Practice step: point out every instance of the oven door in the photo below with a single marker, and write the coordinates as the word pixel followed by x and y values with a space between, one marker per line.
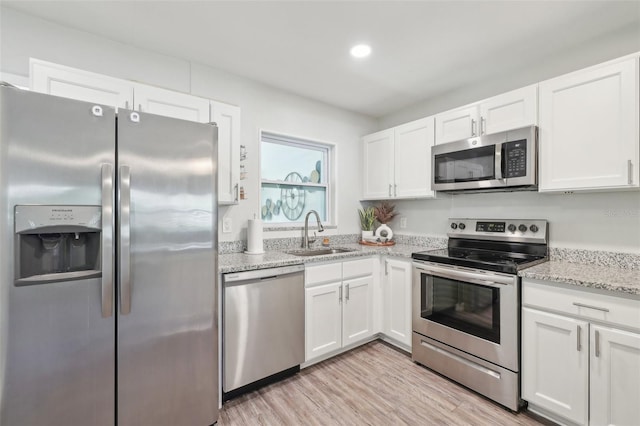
pixel 472 310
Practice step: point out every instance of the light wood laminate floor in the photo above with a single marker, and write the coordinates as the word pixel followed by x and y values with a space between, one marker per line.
pixel 374 384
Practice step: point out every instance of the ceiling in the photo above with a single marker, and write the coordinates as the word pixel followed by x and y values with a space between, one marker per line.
pixel 421 49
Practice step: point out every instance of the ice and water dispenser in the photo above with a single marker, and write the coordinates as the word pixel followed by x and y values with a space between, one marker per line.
pixel 57 243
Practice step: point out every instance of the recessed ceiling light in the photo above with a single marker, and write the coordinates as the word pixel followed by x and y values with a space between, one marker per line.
pixel 361 51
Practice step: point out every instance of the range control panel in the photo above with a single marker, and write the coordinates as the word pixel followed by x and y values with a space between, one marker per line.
pixel 530 230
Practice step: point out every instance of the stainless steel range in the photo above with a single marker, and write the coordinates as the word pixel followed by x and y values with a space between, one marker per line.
pixel 466 303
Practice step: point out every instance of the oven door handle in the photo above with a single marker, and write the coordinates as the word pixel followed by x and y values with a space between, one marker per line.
pixel 471 277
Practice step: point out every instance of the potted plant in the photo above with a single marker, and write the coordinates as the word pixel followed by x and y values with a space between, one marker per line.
pixel 367 219
pixel 384 213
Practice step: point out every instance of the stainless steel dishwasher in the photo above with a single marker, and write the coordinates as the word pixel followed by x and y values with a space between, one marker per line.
pixel 263 327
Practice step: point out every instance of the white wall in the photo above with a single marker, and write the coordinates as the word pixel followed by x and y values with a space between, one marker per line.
pixel 263 107
pixel 623 42
pixel 599 221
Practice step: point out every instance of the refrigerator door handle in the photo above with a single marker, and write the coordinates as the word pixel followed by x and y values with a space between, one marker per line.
pixel 107 240
pixel 124 239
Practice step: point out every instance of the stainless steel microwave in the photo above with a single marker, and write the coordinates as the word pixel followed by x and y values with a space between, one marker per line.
pixel 501 161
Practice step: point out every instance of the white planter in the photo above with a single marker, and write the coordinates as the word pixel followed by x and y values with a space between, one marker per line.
pixel 366 234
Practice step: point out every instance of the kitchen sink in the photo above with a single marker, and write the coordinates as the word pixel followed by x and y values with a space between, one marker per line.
pixel 319 252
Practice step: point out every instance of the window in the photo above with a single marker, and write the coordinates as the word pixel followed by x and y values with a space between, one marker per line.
pixel 295 179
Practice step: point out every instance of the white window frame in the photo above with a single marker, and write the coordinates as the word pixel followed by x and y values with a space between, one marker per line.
pixel 330 185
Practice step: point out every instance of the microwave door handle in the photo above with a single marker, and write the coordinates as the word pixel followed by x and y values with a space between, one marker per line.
pixel 498 165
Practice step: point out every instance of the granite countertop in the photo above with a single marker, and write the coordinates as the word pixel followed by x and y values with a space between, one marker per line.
pixel 237 262
pixel 587 275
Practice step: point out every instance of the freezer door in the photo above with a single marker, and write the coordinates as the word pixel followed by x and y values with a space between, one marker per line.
pixel 57 339
pixel 167 331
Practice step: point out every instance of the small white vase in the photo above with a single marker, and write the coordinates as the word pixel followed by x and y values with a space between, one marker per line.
pixel 384 231
pixel 366 234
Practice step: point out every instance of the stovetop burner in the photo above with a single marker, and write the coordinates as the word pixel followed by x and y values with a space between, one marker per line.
pixel 497 245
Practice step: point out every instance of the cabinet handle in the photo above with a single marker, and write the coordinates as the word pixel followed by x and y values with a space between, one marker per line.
pixel 395 190
pixel 386 272
pixel 237 191
pixel 630 171
pixel 390 186
pixel 346 296
pixel 340 295
pixel 597 343
pixel 126 105
pixel 473 127
pixel 140 107
pixel 579 344
pixel 582 305
pixel 483 125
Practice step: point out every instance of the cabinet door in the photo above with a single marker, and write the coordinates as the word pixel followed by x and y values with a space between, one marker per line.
pixel 397 299
pixel 168 103
pixel 555 364
pixel 511 110
pixel 378 165
pixel 357 308
pixel 412 168
pixel 457 124
pixel 67 82
pixel 323 319
pixel 589 129
pixel 227 117
pixel 615 377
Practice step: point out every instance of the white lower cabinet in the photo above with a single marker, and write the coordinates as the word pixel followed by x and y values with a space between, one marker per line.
pixel 580 355
pixel 339 307
pixel 555 364
pixel 615 376
pixel 323 316
pixel 357 309
pixel 397 301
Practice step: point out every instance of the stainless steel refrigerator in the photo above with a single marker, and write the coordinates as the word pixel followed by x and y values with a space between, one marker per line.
pixel 108 251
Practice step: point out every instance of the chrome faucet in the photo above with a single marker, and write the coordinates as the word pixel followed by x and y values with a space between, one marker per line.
pixel 305 240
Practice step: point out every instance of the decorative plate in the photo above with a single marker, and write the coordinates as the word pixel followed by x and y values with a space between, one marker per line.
pixel 293 197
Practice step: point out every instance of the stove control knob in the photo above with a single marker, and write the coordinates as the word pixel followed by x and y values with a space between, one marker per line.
pixel 533 228
pixel 454 226
pixel 522 228
pixel 461 226
pixel 511 228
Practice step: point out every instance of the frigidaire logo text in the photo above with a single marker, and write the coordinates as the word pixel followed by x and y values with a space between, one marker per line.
pixel 61 210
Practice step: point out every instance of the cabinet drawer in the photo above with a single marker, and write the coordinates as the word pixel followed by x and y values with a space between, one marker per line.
pixel 582 303
pixel 357 268
pixel 318 274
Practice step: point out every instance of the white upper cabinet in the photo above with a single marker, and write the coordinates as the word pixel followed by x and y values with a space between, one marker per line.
pixel 397 161
pixel 589 129
pixel 168 103
pixel 67 82
pixel 507 111
pixel 412 159
pixel 457 124
pixel 378 165
pixel 227 117
pixel 510 110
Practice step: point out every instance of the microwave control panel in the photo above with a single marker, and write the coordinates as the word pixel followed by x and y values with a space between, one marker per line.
pixel 515 159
